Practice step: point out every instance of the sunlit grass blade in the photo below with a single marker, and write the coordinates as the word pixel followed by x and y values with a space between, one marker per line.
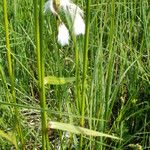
pixel 52 80
pixel 78 130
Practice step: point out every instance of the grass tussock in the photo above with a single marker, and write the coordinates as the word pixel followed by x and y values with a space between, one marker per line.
pixel 91 94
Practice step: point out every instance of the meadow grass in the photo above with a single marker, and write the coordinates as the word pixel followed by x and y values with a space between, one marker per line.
pixel 99 82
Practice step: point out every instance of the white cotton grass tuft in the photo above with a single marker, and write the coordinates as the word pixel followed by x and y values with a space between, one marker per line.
pixel 78 25
pixel 64 4
pixel 74 12
pixel 76 15
pixel 63 35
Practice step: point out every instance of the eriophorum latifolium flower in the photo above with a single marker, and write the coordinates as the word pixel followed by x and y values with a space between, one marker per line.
pixel 71 9
pixel 63 34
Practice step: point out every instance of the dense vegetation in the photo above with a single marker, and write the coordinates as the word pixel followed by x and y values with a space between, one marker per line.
pixel 104 82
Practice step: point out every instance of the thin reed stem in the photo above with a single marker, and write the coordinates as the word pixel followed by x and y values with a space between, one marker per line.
pixel 110 66
pixel 11 75
pixel 85 64
pixel 40 64
pixel 77 76
pixel 8 50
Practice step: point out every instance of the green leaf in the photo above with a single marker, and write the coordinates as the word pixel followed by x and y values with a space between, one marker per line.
pixel 78 130
pixel 57 80
pixel 8 136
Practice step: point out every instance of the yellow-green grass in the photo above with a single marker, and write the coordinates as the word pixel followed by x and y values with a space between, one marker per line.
pixel 99 83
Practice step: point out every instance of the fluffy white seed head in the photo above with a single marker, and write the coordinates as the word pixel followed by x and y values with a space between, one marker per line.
pixel 73 9
pixel 63 35
pixel 78 25
pixel 64 4
pixel 76 15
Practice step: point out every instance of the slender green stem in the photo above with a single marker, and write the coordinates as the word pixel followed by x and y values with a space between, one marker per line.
pixel 110 61
pixel 8 49
pixel 42 88
pixel 77 75
pixel 11 74
pixel 37 38
pixel 40 64
pixel 85 64
pixel 4 83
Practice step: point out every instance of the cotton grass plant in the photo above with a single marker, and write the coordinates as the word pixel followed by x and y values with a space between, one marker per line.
pixel 74 88
pixel 70 9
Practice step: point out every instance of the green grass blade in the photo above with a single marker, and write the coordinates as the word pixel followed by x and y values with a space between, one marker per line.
pixel 11 138
pixel 85 66
pixel 78 130
pixel 52 80
pixel 40 64
pixel 11 74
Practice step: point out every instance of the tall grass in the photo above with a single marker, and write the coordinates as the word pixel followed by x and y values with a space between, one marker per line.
pixel 99 82
pixel 39 18
pixel 85 65
pixel 11 76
